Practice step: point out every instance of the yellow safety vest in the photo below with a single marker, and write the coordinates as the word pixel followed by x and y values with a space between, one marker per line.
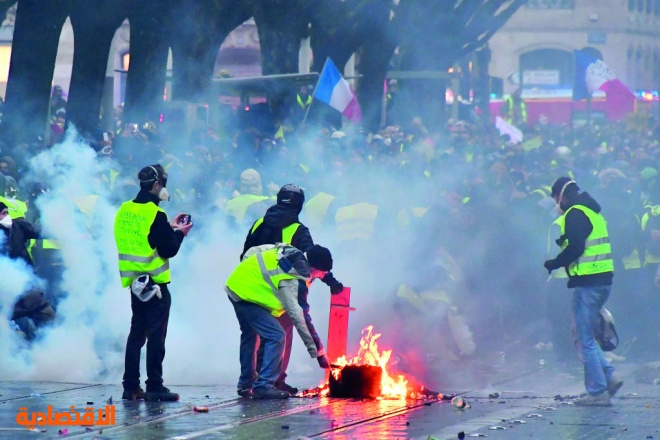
pixel 136 257
pixel 403 217
pixel 287 233
pixel 651 211
pixel 257 278
pixel 510 108
pixel 15 208
pixel 238 206
pixel 316 208
pixel 597 255
pixel 356 221
pixel 110 179
pixel 422 301
pixel 304 104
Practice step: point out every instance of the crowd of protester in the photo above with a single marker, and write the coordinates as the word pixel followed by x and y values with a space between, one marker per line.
pixel 465 208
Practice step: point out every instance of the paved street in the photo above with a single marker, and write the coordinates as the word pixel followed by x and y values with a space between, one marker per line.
pixel 525 407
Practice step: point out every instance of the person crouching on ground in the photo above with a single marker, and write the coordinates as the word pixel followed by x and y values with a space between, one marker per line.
pixel 262 288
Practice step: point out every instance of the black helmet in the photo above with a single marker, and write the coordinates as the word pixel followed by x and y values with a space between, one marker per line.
pixel 291 195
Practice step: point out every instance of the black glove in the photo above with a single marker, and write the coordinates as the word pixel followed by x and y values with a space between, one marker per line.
pixel 323 362
pixel 549 264
pixel 335 286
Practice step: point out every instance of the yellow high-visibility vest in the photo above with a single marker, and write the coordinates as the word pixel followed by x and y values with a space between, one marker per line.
pixel 136 257
pixel 597 255
pixel 287 233
pixel 256 279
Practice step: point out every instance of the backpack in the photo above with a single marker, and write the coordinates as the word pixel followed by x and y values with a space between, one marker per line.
pixel 605 333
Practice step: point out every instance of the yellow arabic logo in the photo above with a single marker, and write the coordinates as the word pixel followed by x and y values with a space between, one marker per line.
pixel 105 417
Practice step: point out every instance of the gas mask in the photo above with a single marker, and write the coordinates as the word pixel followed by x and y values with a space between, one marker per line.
pixel 164 194
pixel 6 222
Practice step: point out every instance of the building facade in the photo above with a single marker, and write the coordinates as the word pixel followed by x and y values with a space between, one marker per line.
pixel 534 50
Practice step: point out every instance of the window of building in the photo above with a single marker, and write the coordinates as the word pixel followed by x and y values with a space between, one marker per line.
pixel 551 4
pixel 657 7
pixel 649 6
pixel 640 6
pixel 631 5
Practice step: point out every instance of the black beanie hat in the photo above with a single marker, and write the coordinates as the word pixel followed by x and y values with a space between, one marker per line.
pixel 2 206
pixel 320 258
pixel 559 184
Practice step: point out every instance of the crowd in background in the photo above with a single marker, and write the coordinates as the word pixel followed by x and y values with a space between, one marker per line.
pixel 464 211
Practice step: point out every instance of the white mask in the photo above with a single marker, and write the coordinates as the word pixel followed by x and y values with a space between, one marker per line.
pixel 6 222
pixel 164 194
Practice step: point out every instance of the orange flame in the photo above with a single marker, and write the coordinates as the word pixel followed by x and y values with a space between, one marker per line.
pixel 394 386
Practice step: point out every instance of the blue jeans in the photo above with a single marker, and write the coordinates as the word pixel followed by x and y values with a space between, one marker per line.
pixel 587 302
pixel 258 324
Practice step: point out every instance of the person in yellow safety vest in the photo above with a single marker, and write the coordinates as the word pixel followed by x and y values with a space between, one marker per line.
pixel 250 203
pixel 263 288
pixel 281 224
pixel 317 208
pixel 650 224
pixel 146 240
pixel 356 221
pixel 303 98
pixel 514 109
pixel 16 208
pixel 15 235
pixel 587 258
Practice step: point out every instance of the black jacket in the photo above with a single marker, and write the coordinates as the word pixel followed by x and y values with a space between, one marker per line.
pixel 15 240
pixel 276 219
pixel 577 229
pixel 162 237
pixel 269 231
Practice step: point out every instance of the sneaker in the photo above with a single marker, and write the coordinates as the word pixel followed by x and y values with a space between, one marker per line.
pixel 269 393
pixel 162 393
pixel 613 384
pixel 283 386
pixel 589 400
pixel 134 394
pixel 244 392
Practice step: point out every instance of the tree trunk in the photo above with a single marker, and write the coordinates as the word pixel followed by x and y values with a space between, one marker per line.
pixel 94 28
pixel 145 82
pixel 34 49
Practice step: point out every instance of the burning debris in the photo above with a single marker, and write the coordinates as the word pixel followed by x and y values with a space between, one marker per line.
pixel 366 376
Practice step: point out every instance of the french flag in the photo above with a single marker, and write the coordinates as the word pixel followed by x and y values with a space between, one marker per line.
pixel 592 74
pixel 335 91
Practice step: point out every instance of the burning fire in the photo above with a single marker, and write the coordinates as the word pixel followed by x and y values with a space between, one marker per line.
pixel 394 386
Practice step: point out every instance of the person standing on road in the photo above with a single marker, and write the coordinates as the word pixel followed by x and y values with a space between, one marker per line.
pixel 146 241
pixel 587 258
pixel 281 224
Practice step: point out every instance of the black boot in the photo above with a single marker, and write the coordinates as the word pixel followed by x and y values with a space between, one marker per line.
pixel 162 394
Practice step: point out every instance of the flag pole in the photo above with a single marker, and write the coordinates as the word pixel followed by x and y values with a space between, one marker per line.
pixel 315 87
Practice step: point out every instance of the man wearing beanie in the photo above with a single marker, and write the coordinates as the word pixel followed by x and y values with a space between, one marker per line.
pixel 586 257
pixel 282 225
pixel 262 288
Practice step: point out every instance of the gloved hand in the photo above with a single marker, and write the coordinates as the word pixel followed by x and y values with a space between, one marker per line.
pixel 335 286
pixel 323 362
pixel 549 264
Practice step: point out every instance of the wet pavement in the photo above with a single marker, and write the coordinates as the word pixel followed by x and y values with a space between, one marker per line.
pixel 513 405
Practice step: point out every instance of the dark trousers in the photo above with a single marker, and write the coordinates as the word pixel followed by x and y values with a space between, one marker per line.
pixel 148 324
pixel 258 326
